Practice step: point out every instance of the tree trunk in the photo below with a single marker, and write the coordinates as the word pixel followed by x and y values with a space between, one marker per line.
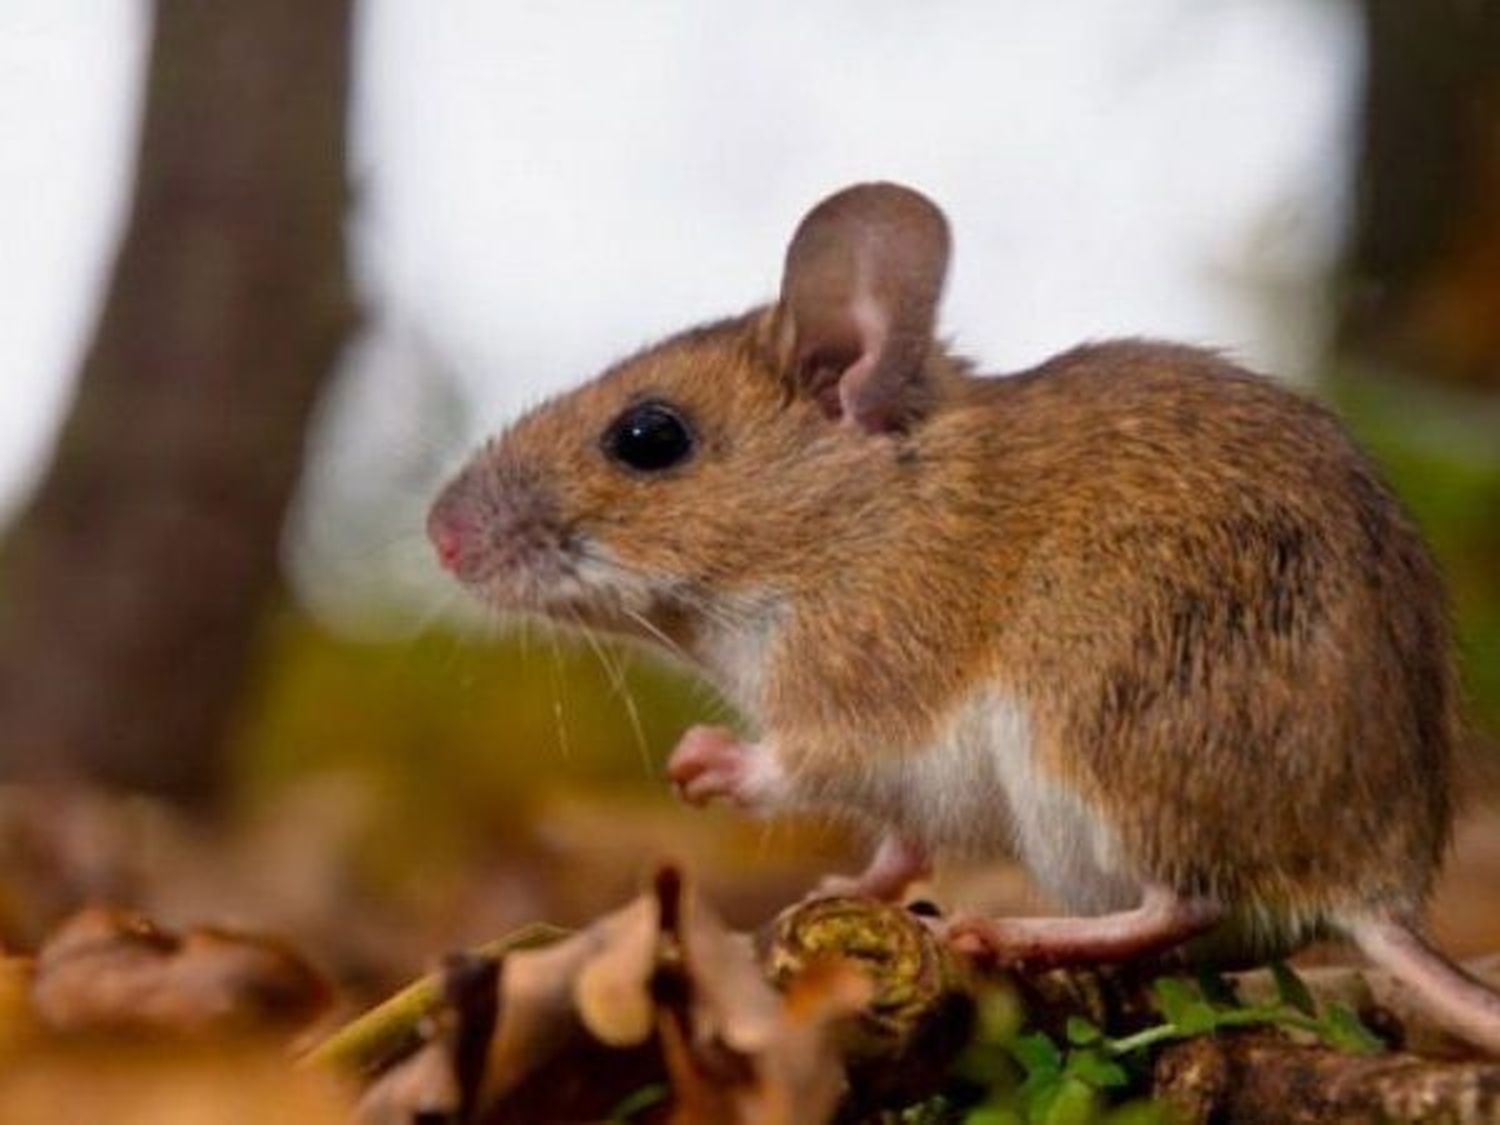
pixel 134 581
pixel 1424 261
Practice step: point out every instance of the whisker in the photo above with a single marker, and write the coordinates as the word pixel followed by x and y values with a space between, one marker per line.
pixel 617 682
pixel 645 623
pixel 524 626
pixel 557 699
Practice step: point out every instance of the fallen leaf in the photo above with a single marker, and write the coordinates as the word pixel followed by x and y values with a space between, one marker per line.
pixel 421 1087
pixel 731 996
pixel 801 1073
pixel 661 982
pixel 612 990
pixel 113 970
pixel 537 1012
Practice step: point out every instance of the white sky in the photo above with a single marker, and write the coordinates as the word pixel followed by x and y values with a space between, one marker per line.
pixel 544 186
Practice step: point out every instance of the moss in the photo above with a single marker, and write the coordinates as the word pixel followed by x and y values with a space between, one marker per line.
pixel 1440 449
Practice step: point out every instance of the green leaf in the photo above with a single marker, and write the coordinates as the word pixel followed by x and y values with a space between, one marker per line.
pixel 994 1115
pixel 1081 1032
pixel 1291 990
pixel 1074 1103
pixel 1343 1029
pixel 1038 1093
pixel 638 1101
pixel 1173 997
pixel 1038 1054
pixel 1188 1012
pixel 1000 1014
pixel 985 1064
pixel 1099 1072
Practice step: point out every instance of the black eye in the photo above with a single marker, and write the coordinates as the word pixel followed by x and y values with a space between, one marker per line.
pixel 649 437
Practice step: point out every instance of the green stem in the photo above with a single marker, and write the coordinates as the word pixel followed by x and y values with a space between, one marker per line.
pixel 1239 1017
pixel 1142 1039
pixel 370 1040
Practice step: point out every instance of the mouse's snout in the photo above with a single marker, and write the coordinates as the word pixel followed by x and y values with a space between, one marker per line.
pixel 448 534
pixel 487 524
pixel 452 527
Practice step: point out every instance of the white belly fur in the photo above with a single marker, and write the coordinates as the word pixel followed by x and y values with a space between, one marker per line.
pixel 977 791
pixel 980 792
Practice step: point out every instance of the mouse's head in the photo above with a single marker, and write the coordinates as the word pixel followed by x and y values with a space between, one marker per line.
pixel 725 462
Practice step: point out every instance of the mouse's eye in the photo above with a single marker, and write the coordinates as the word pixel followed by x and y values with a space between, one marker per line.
pixel 649 437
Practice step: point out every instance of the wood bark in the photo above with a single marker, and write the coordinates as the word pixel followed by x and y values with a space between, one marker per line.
pixel 1262 1077
pixel 1424 259
pixel 133 583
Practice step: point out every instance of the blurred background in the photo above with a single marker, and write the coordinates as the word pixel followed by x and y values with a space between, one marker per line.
pixel 272 269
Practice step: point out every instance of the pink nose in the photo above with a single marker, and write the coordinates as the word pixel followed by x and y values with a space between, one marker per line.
pixel 449 548
pixel 447 540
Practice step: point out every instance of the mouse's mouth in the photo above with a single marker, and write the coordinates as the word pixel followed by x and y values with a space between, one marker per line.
pixel 499 529
pixel 522 569
pixel 563 577
pixel 508 548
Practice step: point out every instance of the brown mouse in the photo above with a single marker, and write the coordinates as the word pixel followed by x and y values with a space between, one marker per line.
pixel 1147 620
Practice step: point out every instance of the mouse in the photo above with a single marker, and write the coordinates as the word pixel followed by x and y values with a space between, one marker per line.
pixel 1148 621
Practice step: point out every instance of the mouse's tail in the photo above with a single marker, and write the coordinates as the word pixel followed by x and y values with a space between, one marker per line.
pixel 1456 1001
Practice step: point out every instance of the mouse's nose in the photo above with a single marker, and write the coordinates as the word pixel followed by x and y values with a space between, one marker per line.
pixel 448 543
pixel 492 520
pixel 449 532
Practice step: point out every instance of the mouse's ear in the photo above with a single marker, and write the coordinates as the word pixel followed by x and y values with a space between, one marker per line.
pixel 858 302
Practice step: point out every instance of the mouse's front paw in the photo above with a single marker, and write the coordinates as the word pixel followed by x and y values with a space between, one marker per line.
pixel 709 764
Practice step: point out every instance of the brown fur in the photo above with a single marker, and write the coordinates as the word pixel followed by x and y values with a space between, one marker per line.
pixel 1231 641
pixel 1232 637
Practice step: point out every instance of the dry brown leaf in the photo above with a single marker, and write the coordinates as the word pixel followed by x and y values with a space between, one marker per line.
pixel 112 970
pixel 665 974
pixel 422 1086
pixel 440 1080
pixel 731 997
pixel 796 1073
pixel 700 1095
pixel 735 1050
pixel 537 1013
pixel 801 1073
pixel 612 991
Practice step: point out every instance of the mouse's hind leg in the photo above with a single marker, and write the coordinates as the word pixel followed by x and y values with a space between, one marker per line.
pixel 898 862
pixel 1163 920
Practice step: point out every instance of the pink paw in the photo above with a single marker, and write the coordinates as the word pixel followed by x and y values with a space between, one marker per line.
pixel 895 866
pixel 710 763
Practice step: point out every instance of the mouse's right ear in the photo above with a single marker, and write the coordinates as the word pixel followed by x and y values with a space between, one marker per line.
pixel 859 301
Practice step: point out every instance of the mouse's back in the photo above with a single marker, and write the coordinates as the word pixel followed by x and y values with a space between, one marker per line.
pixel 1230 635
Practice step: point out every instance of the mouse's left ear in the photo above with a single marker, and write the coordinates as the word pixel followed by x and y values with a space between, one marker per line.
pixel 858 304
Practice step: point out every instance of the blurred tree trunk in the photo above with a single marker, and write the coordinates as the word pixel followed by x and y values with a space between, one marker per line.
pixel 134 582
pixel 1425 257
